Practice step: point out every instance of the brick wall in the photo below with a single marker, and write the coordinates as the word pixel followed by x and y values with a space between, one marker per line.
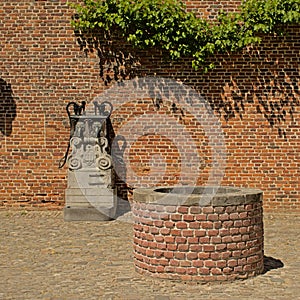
pixel 42 70
pixel 255 95
pixel 198 243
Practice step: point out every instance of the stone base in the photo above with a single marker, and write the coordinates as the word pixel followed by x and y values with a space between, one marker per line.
pixel 90 204
pixel 84 214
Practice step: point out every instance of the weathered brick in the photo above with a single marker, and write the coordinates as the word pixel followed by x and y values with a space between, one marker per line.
pixel 181 225
pixel 197 263
pixel 168 254
pixel 232 263
pixel 208 248
pixel 200 233
pixel 183 247
pixel 180 240
pixel 187 232
pixel 192 255
pixel 188 218
pixel 207 225
pixel 194 225
pixel 193 240
pixel 176 217
pixel 169 224
pixel 259 135
pixel 169 239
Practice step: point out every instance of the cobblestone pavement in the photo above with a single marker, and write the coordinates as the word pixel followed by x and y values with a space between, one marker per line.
pixel 43 257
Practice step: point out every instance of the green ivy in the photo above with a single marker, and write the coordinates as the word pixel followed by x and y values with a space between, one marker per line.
pixel 166 24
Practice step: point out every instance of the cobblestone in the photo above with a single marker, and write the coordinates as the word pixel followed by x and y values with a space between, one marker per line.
pixel 43 257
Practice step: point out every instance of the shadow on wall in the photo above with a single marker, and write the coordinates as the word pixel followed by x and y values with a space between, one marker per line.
pixel 118 145
pixel 264 77
pixel 271 87
pixel 8 108
pixel 261 80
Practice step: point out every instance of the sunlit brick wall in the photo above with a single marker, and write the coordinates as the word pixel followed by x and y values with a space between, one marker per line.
pixel 255 95
pixel 42 70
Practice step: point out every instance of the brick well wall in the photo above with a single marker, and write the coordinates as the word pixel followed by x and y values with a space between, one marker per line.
pixel 255 95
pixel 198 243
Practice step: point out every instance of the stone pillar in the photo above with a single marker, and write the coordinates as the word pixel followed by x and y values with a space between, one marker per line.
pixel 90 193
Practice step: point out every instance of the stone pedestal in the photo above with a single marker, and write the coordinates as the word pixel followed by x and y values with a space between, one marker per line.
pixel 87 198
pixel 90 194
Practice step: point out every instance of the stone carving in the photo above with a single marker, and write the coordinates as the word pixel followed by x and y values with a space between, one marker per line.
pixel 90 194
pixel 89 146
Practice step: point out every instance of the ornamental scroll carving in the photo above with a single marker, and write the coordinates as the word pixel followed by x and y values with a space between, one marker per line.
pixel 89 151
pixel 88 138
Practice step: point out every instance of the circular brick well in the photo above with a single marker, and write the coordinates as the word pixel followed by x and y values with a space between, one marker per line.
pixel 204 234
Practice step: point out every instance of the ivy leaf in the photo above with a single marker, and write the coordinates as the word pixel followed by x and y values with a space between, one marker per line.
pixel 165 23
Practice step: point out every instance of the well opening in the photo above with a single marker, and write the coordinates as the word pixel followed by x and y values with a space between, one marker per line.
pixel 197 190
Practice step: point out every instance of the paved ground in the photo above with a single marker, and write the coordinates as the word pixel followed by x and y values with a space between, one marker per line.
pixel 43 257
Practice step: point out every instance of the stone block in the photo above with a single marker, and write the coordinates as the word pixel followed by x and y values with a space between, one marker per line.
pixel 85 214
pixel 90 201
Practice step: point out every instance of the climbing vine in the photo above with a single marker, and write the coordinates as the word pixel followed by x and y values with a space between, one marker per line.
pixel 166 24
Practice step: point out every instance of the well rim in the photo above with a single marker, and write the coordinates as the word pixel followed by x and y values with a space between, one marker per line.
pixel 169 195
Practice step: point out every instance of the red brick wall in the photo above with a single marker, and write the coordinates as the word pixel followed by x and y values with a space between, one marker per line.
pixel 255 96
pixel 40 61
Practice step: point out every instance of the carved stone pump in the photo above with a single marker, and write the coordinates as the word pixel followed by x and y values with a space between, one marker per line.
pixel 90 194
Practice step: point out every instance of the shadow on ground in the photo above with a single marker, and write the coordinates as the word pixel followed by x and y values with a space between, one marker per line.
pixel 271 263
